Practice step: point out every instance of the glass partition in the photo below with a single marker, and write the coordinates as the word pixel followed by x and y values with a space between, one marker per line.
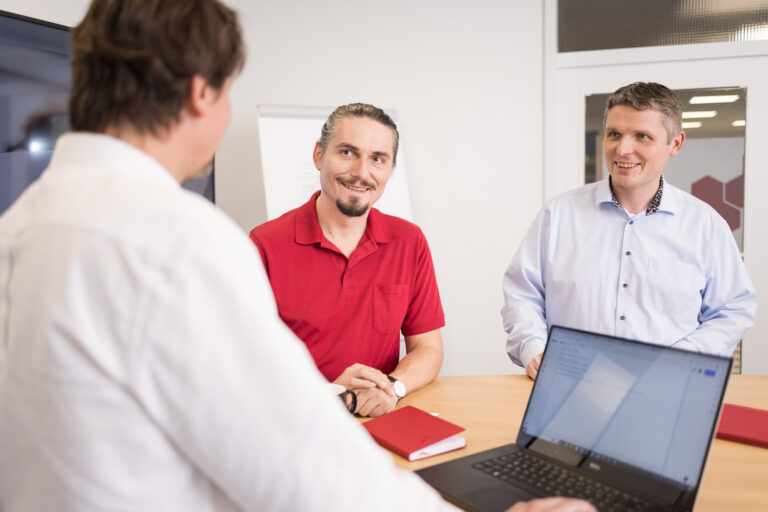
pixel 585 25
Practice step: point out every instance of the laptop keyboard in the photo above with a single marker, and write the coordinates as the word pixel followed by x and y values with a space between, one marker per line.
pixel 554 480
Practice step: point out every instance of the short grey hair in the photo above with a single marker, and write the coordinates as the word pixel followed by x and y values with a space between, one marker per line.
pixel 331 125
pixel 646 95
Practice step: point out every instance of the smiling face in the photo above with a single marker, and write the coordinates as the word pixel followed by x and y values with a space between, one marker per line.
pixel 356 165
pixel 636 148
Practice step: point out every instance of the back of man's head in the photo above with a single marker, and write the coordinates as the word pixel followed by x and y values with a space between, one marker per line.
pixel 134 59
pixel 358 110
pixel 647 95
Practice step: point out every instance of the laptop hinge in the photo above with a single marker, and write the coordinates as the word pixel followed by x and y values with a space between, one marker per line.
pixel 558 452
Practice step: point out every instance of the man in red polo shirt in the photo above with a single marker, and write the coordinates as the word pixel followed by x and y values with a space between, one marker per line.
pixel 347 278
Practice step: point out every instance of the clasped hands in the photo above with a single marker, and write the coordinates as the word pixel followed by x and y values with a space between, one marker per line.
pixel 375 393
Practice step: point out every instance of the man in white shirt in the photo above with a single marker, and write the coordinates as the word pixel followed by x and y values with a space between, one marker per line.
pixel 142 362
pixel 631 255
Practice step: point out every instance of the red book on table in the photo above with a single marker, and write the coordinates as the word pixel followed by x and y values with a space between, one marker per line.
pixel 744 425
pixel 415 434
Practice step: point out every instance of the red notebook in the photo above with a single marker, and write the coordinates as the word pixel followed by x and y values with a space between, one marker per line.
pixel 744 425
pixel 415 434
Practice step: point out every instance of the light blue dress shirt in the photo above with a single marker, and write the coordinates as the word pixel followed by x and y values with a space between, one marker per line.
pixel 673 278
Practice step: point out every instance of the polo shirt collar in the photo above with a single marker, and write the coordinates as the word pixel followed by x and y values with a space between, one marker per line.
pixel 307 226
pixel 379 229
pixel 308 229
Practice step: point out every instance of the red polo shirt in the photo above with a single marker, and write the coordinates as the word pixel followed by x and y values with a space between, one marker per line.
pixel 350 310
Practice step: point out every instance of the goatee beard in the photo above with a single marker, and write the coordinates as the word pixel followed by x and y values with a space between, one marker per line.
pixel 354 209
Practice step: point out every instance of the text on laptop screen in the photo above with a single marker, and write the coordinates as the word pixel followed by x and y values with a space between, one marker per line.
pixel 643 405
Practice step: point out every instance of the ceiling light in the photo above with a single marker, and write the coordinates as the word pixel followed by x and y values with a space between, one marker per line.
pixel 725 98
pixel 750 32
pixel 35 146
pixel 699 115
pixel 692 124
pixel 740 122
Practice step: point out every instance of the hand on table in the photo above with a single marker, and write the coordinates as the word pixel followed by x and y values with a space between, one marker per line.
pixel 374 402
pixel 533 367
pixel 361 376
pixel 553 504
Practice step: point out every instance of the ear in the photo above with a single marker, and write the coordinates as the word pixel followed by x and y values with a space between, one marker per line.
pixel 200 96
pixel 317 155
pixel 677 144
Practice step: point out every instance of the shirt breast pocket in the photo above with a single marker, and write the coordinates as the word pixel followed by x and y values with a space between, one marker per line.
pixel 390 304
pixel 676 287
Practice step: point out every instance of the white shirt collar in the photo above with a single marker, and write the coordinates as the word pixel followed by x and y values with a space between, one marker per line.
pixel 669 199
pixel 81 150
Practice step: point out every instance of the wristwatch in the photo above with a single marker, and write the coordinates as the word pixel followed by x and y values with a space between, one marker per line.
pixel 399 387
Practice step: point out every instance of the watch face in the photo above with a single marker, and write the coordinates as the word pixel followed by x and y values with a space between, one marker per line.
pixel 399 388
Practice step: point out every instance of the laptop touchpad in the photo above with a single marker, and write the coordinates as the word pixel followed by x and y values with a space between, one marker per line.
pixel 497 498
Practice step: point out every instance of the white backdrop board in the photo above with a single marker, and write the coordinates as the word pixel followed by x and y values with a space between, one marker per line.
pixel 287 137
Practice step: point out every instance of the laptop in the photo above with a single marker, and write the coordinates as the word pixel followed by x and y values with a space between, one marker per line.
pixel 624 424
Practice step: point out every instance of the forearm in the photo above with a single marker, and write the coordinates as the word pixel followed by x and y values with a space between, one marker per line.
pixel 726 314
pixel 523 314
pixel 728 301
pixel 423 360
pixel 526 330
pixel 718 335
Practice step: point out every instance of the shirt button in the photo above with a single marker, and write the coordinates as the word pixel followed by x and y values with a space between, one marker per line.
pixel 625 285
pixel 627 253
pixel 631 222
pixel 622 317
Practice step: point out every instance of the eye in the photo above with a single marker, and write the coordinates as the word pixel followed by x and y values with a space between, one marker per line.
pixel 612 135
pixel 346 152
pixel 378 159
pixel 643 136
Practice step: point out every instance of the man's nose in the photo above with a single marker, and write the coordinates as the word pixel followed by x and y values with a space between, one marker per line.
pixel 361 169
pixel 626 146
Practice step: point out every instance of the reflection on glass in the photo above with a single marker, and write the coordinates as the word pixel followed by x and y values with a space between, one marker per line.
pixel 34 80
pixel 592 403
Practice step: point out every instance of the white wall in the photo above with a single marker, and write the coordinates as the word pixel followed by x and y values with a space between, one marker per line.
pixel 466 80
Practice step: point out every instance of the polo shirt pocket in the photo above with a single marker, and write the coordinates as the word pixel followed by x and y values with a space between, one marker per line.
pixel 390 303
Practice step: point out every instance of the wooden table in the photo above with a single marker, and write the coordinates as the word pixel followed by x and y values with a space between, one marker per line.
pixel 491 408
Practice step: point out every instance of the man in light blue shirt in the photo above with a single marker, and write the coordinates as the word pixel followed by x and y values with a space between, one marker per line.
pixel 631 255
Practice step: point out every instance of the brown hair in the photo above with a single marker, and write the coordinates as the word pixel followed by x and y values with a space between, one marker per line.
pixel 358 110
pixel 133 60
pixel 645 95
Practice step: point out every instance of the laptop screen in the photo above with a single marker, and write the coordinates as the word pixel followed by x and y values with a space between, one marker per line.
pixel 616 400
